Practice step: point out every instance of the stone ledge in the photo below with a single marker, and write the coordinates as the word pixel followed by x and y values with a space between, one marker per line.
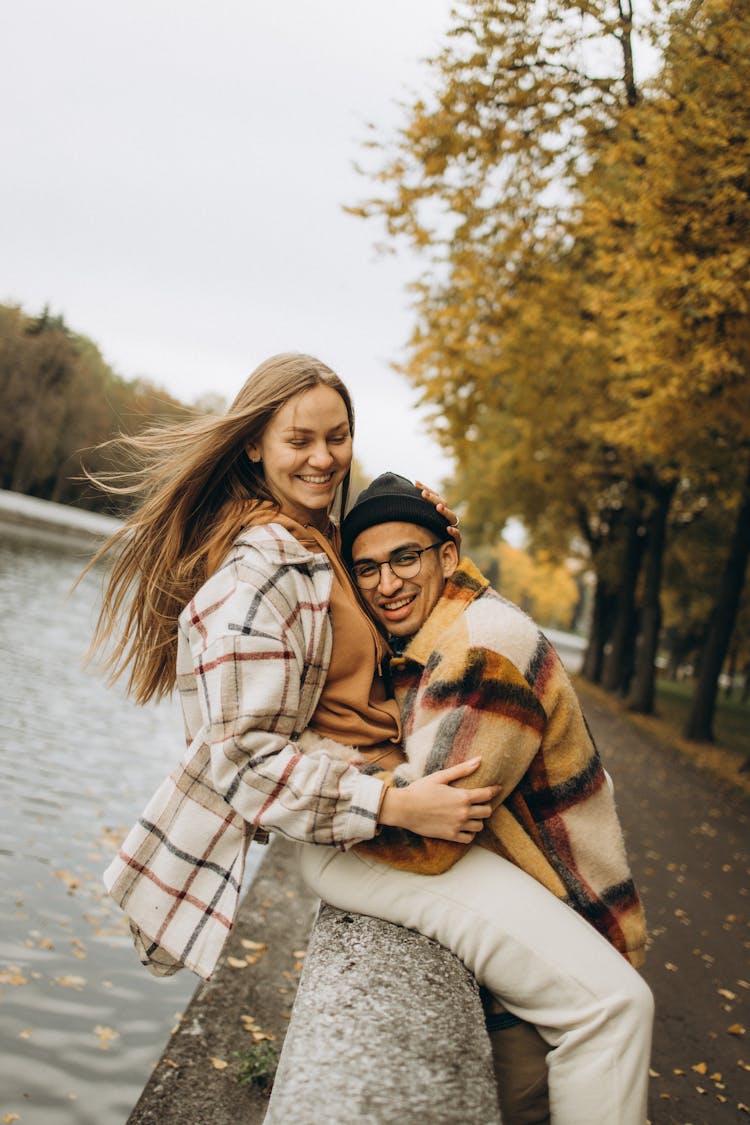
pixel 387 1026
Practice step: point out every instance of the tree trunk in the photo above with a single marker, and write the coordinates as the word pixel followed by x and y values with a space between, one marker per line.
pixel 731 672
pixel 699 726
pixel 626 42
pixel 644 682
pixel 627 662
pixel 600 622
pixel 615 659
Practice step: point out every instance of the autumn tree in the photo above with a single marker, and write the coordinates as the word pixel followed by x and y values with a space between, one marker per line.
pixel 681 330
pixel 59 398
pixel 542 588
pixel 558 336
pixel 486 180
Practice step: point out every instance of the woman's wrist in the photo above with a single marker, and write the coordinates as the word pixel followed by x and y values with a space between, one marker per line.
pixel 392 807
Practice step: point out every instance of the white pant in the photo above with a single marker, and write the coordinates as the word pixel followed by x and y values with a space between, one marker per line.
pixel 545 962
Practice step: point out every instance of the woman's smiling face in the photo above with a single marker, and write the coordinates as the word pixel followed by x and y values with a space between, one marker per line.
pixel 306 450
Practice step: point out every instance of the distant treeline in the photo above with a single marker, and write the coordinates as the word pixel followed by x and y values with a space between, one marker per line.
pixel 59 399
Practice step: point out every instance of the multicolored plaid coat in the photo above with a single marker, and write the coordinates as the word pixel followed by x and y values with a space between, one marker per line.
pixel 481 679
pixel 253 652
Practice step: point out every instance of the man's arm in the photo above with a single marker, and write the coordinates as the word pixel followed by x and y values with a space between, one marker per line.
pixel 479 705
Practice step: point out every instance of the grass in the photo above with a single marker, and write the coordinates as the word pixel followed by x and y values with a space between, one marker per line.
pixel 725 757
pixel 257 1065
pixel 731 721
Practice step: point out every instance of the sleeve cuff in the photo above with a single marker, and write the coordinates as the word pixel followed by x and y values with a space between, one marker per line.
pixel 364 809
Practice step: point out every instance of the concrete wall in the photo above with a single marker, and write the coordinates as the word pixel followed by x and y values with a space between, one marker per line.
pixel 387 1026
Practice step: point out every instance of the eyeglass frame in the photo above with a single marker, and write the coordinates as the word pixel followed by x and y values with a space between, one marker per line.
pixel 418 551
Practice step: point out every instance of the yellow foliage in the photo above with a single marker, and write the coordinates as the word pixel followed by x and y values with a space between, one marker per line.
pixel 544 589
pixel 582 333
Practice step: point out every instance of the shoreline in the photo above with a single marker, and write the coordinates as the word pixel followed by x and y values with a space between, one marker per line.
pixel 56 524
pixel 246 1005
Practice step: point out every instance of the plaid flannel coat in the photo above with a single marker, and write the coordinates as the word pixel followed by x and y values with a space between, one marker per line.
pixel 254 647
pixel 481 679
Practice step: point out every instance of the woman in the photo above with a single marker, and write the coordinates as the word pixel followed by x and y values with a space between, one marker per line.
pixel 228 584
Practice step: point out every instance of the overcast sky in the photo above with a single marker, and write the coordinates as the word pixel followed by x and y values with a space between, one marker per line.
pixel 173 175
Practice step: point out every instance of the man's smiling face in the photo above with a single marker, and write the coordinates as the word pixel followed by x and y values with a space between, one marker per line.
pixel 402 605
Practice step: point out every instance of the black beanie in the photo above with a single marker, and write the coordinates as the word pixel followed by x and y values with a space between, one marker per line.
pixel 390 499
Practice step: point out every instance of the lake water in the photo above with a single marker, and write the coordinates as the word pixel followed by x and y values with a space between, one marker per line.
pixel 81 1021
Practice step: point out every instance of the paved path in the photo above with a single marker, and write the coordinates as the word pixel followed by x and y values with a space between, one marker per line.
pixel 689 844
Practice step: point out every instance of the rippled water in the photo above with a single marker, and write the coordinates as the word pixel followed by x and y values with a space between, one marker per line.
pixel 81 1021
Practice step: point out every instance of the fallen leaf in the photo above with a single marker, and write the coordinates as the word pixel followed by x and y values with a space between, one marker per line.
pixel 105 1035
pixel 668 965
pixel 699 1068
pixel 653 1073
pixel 218 1064
pixel 169 1062
pixel 300 953
pixel 10 1118
pixel 70 981
pixel 259 946
pixel 237 962
pixel 736 1029
pixel 26 1033
pixel 716 1077
pixel 70 881
pixel 678 1071
pixel 12 976
pixel 727 994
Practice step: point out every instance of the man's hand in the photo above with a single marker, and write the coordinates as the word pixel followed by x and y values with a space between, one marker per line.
pixel 432 807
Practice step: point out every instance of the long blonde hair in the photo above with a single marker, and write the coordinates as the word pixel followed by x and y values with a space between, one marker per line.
pixel 193 481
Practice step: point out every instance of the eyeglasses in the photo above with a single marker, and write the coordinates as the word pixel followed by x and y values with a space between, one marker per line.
pixel 405 563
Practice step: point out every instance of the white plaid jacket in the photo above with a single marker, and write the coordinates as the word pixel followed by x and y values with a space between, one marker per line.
pixel 253 652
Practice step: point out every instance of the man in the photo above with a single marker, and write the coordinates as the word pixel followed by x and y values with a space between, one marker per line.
pixel 473 675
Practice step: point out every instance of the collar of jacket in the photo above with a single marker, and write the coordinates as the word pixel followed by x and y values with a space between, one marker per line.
pixel 466 584
pixel 277 544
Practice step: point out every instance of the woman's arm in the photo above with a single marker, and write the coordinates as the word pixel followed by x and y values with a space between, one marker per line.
pixel 249 673
pixel 426 847
pixel 432 807
pixel 252 662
